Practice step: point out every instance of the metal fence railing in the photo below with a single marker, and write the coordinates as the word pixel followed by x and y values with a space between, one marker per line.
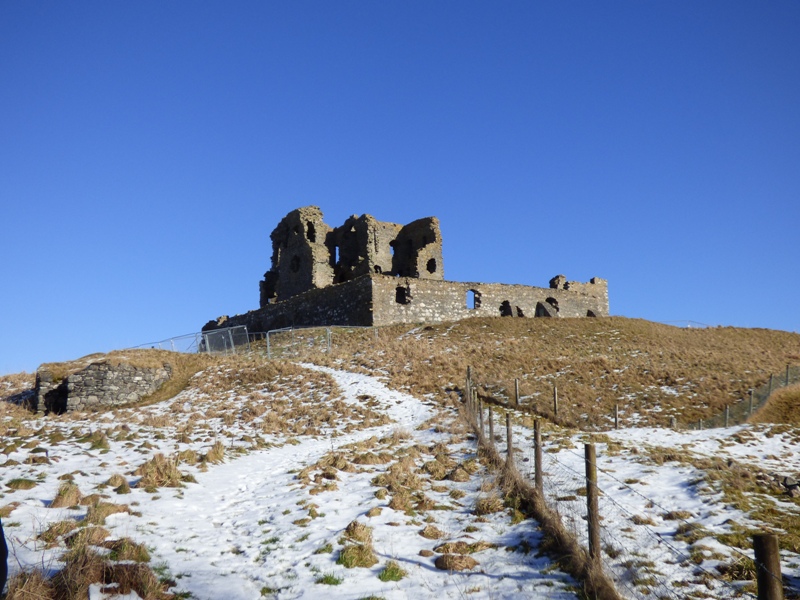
pixel 288 342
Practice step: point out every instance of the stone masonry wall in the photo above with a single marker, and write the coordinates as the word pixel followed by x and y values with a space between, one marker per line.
pixel 383 300
pixel 410 300
pixel 348 303
pixel 99 385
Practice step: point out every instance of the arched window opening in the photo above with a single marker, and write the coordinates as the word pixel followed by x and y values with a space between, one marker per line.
pixel 431 266
pixel 311 232
pixel 590 313
pixel 505 309
pixel 473 299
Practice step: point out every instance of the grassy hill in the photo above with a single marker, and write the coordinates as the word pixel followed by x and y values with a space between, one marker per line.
pixel 653 371
pixel 275 455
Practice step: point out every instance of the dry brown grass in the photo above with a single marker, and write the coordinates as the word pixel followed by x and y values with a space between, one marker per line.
pixel 84 566
pixel 159 471
pixel 432 532
pixel 29 585
pixel 126 549
pixel 68 495
pixel 88 536
pixel 780 408
pixel 595 363
pixel 6 510
pixel 455 562
pixel 55 531
pixel 97 514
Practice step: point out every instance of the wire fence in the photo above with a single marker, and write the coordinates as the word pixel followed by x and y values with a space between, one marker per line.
pixel 738 413
pixel 649 549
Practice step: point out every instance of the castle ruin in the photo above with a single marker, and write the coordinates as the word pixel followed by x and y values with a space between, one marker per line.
pixel 368 272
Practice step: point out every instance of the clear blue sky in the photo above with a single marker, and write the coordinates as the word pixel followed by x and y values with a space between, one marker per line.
pixel 147 149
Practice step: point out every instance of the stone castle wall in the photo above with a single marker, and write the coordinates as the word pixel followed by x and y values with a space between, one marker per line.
pixel 384 300
pixel 409 300
pixel 348 303
pixel 99 385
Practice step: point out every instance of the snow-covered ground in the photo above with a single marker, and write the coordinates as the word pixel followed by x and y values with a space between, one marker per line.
pixel 251 527
pixel 270 520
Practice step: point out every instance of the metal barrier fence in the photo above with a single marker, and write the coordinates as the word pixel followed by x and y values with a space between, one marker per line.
pixel 188 343
pixel 288 342
pixel 738 413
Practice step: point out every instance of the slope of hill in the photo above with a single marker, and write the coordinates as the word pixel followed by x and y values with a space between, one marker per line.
pixel 269 478
pixel 652 371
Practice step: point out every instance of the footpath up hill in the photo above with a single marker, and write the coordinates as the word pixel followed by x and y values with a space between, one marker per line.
pixel 653 371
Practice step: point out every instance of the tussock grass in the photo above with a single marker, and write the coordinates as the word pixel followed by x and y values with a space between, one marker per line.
pixel 455 562
pixel 126 549
pixel 6 510
pixel 29 585
pixel 392 572
pixel 68 495
pixel 432 532
pixel 21 483
pixel 216 454
pixel 159 471
pixel 353 556
pixel 486 505
pixel 97 514
pixel 56 531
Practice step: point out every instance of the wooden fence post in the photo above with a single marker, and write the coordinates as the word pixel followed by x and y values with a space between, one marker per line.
pixel 509 440
pixel 750 411
pixel 480 413
pixel 468 387
pixel 555 400
pixel 616 416
pixel 787 375
pixel 673 423
pixel 770 386
pixel 516 387
pixel 537 456
pixel 491 425
pixel 727 414
pixel 593 515
pixel 768 566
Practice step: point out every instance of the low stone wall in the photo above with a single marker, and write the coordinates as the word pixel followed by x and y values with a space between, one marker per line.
pixel 97 386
